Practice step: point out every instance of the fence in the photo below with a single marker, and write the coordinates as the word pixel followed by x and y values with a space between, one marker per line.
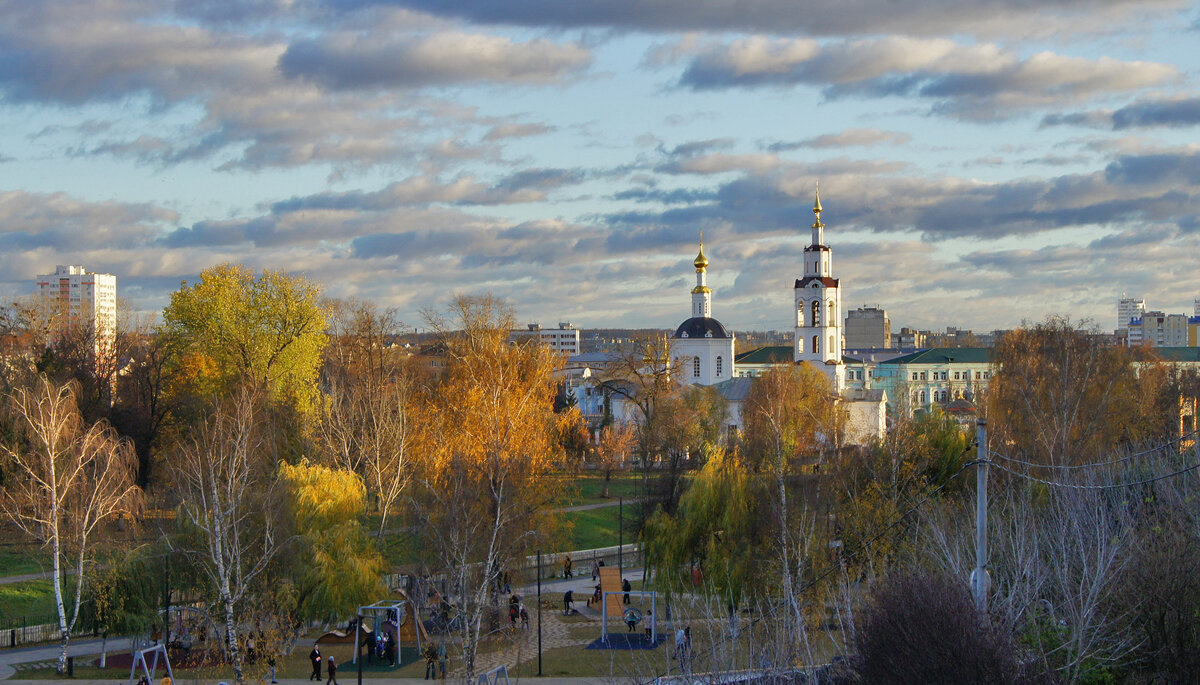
pixel 23 630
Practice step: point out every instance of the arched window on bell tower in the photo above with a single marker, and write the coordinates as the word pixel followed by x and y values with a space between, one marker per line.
pixel 696 367
pixel 816 314
pixel 816 344
pixel 718 366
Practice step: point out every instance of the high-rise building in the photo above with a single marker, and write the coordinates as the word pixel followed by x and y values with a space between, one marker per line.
pixel 818 303
pixel 1128 309
pixel 868 328
pixel 85 299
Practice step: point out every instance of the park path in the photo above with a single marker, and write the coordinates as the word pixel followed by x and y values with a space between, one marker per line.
pixel 598 505
pixel 9 580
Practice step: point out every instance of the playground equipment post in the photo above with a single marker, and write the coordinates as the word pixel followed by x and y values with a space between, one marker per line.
pixel 620 532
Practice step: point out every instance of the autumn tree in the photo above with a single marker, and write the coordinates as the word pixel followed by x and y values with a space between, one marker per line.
pixel 230 509
pixel 64 481
pixel 612 450
pixel 1060 395
pixel 791 417
pixel 485 479
pixel 332 567
pixel 266 331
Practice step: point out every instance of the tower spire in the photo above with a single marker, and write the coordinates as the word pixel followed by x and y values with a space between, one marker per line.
pixel 818 232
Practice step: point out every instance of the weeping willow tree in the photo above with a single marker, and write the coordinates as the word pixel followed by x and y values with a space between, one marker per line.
pixel 335 567
pixel 714 541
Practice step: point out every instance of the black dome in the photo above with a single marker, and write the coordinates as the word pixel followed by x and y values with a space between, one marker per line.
pixel 700 327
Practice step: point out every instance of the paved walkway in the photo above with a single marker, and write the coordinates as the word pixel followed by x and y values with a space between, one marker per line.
pixel 77 648
pixel 8 580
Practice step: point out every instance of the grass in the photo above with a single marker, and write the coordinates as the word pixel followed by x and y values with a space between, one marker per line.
pixel 594 528
pixel 32 598
pixel 590 487
pixel 22 562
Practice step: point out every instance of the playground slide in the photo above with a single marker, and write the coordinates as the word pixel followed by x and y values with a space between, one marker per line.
pixel 610 581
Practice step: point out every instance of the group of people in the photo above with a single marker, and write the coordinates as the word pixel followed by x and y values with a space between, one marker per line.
pixel 517 612
pixel 330 666
pixel 435 661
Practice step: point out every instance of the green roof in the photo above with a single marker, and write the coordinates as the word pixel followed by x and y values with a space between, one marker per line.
pixel 1177 354
pixel 945 355
pixel 768 354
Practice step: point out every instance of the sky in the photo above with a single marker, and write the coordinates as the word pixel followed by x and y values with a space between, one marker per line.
pixel 981 162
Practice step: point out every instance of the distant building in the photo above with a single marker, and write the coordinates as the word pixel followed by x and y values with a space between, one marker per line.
pixel 564 339
pixel 1157 329
pixel 868 328
pixel 85 299
pixel 909 338
pixel 1128 309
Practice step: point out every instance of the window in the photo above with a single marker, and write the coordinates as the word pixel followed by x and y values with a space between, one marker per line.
pixel 799 345
pixel 922 397
pixel 816 315
pixel 829 310
pixel 816 343
pixel 718 366
pixel 976 375
pixel 956 376
pixel 696 367
pixel 924 375
pixel 914 375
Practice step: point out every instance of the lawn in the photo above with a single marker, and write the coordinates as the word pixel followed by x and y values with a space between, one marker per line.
pixel 31 598
pixel 592 528
pixel 588 488
pixel 15 561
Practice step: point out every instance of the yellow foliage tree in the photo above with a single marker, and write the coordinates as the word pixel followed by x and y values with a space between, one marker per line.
pixel 267 331
pixel 335 567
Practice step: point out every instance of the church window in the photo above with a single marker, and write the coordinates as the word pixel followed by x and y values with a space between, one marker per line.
pixel 832 314
pixel 683 335
pixel 800 345
pixel 816 344
pixel 718 366
pixel 816 314
pixel 832 345
pixel 696 367
pixel 914 375
pixel 922 397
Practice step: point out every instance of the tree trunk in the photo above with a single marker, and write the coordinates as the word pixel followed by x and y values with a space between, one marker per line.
pixel 103 649
pixel 607 480
pixel 231 640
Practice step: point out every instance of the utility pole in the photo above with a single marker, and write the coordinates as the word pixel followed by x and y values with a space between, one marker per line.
pixel 979 578
pixel 539 578
pixel 620 533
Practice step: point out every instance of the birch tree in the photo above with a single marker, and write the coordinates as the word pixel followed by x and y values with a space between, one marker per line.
pixel 224 473
pixel 64 481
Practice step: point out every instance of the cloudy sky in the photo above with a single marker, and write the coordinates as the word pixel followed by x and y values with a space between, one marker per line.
pixel 980 162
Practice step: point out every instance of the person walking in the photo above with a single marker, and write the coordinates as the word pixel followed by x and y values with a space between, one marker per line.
pixel 332 672
pixel 271 666
pixel 430 661
pixel 315 657
pixel 441 654
pixel 568 597
pixel 626 587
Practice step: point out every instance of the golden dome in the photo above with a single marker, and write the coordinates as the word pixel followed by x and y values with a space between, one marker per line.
pixel 701 261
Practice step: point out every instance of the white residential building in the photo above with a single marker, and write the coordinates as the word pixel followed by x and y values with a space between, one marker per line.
pixel 1128 309
pixel 85 298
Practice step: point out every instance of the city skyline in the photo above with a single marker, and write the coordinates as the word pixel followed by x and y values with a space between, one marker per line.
pixel 980 164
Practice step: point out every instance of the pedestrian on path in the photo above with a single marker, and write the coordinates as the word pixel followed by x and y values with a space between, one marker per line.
pixel 441 654
pixel 315 657
pixel 431 658
pixel 626 587
pixel 332 673
pixel 568 597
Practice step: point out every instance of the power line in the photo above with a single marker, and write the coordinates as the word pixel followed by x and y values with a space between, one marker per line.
pixel 1068 467
pixel 1112 486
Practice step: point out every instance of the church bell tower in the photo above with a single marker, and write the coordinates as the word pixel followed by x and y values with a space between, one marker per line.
pixel 818 337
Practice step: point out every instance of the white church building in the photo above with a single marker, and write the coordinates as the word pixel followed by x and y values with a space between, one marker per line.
pixel 702 348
